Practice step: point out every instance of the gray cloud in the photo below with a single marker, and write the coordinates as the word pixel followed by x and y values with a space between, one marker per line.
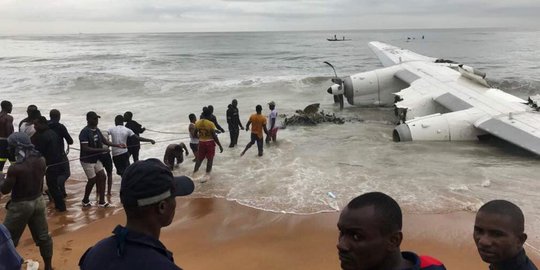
pixel 251 15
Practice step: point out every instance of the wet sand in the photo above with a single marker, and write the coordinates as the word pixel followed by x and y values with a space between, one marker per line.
pixel 216 233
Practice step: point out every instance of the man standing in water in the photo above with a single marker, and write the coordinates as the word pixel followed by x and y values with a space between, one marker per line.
pixel 147 192
pixel 258 122
pixel 134 144
pixel 91 149
pixel 205 130
pixel 370 237
pixel 47 143
pixel 233 120
pixel 6 129
pixel 193 139
pixel 63 134
pixel 27 207
pixel 213 118
pixel 272 128
pixel 499 236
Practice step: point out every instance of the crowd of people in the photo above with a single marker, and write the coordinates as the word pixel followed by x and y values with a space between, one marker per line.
pixel 370 225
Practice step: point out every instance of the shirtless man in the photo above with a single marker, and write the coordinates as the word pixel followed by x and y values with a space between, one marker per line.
pixel 174 154
pixel 25 182
pixel 6 128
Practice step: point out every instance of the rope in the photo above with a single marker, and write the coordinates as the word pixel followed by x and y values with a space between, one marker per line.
pixel 101 153
pixel 167 132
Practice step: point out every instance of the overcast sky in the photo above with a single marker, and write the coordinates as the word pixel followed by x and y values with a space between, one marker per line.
pixel 105 16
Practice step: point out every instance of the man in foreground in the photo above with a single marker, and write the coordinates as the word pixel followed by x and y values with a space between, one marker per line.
pixel 147 192
pixel 499 236
pixel 370 236
pixel 6 128
pixel 25 182
pixel 258 122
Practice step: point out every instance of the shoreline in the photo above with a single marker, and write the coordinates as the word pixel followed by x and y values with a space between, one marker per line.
pixel 208 233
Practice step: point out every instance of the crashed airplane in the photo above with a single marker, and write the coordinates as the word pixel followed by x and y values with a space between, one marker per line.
pixel 440 100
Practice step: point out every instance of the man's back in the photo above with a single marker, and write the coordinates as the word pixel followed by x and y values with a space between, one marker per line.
pixel 47 142
pixel 6 125
pixel 28 178
pixel 119 135
pixel 128 250
pixel 257 123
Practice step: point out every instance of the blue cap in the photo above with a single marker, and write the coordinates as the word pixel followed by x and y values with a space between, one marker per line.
pixel 149 181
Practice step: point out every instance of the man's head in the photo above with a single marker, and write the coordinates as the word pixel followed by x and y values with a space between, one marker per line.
pixel 271 105
pixel 34 115
pixel 370 231
pixel 234 103
pixel 499 231
pixel 40 124
pixel 92 118
pixel 211 109
pixel 258 109
pixel 128 116
pixel 205 113
pixel 54 114
pixel 148 190
pixel 119 120
pixel 192 118
pixel 30 108
pixel 6 106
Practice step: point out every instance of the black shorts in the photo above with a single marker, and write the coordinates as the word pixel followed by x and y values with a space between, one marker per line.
pixel 121 162
pixel 107 162
pixel 4 153
pixel 255 139
pixel 194 147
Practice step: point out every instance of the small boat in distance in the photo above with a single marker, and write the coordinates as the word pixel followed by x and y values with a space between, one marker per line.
pixel 336 39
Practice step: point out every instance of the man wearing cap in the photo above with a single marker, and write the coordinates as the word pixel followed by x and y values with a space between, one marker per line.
pixel 258 122
pixel 26 207
pixel 147 192
pixel 205 130
pixel 92 141
pixel 272 128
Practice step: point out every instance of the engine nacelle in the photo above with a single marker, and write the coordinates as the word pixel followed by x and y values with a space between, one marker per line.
pixel 455 126
pixel 374 87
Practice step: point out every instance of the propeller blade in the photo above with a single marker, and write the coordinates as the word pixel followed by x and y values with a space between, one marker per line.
pixel 336 99
pixel 340 101
pixel 331 67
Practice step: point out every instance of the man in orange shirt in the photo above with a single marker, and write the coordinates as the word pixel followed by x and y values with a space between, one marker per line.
pixel 205 130
pixel 259 124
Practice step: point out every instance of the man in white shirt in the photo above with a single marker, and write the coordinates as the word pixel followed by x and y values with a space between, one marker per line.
pixel 119 135
pixel 272 123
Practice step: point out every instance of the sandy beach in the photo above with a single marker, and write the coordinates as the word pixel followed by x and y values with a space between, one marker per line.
pixel 211 233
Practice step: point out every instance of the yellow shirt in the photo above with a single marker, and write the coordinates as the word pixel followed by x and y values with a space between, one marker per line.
pixel 206 128
pixel 257 123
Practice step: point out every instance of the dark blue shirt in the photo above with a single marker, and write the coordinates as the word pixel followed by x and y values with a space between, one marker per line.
pixel 128 250
pixel 46 143
pixel 94 138
pixel 520 262
pixel 61 131
pixel 422 262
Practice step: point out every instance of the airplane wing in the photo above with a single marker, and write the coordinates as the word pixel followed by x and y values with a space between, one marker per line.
pixel 448 101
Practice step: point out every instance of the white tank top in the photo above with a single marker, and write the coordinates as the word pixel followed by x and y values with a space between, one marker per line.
pixel 192 139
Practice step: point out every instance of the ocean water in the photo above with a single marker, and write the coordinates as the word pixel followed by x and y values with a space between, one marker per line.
pixel 162 78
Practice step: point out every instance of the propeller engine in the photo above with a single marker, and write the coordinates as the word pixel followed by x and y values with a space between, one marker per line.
pixel 337 89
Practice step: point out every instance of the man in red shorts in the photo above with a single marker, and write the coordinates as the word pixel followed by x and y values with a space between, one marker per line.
pixel 206 131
